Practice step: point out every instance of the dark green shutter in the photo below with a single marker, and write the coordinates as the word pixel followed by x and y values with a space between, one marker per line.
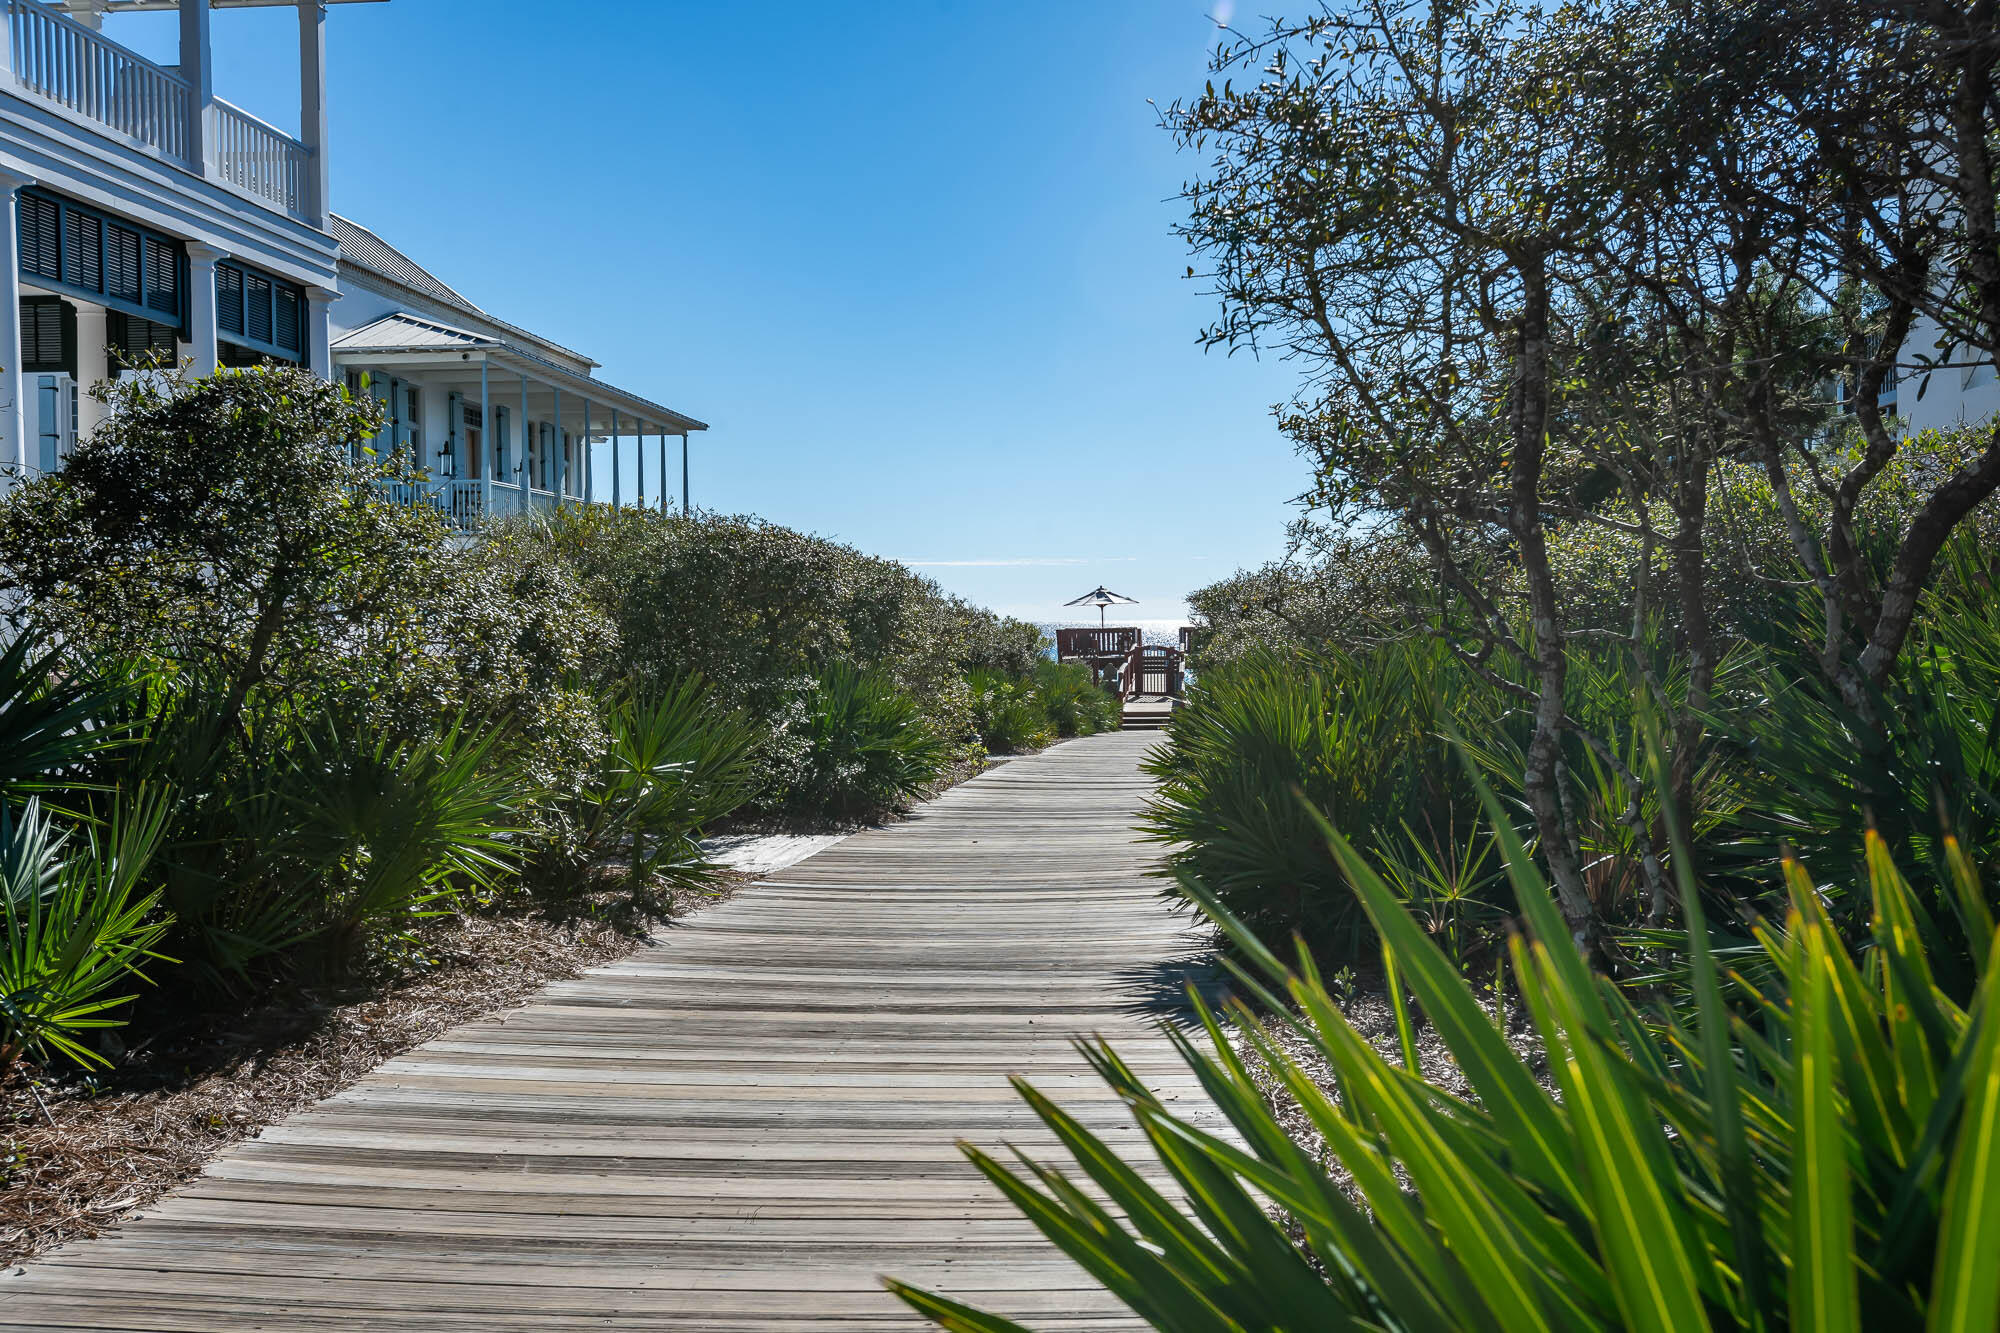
pixel 41 237
pixel 83 251
pixel 229 298
pixel 48 335
pixel 163 277
pixel 121 263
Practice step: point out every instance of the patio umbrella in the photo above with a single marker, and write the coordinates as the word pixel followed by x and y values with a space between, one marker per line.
pixel 1101 597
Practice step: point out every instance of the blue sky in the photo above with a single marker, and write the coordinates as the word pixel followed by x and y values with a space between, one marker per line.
pixel 912 261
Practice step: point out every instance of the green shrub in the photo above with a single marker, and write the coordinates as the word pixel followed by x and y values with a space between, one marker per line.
pixel 672 763
pixel 762 612
pixel 389 831
pixel 55 715
pixel 866 748
pixel 1362 737
pixel 1008 713
pixel 1072 700
pixel 76 922
pixel 1816 1156
pixel 233 524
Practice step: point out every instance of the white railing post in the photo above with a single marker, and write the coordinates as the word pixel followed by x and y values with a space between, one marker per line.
pixel 12 70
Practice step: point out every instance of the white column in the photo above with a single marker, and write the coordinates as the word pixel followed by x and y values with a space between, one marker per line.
pixel 198 69
pixel 319 331
pixel 92 366
pixel 486 439
pixel 13 420
pixel 617 496
pixel 561 464
pixel 312 106
pixel 201 307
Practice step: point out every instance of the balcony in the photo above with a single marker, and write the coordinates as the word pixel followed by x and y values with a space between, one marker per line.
pixel 467 503
pixel 124 96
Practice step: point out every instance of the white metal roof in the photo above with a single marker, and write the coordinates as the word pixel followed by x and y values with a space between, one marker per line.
pixel 405 332
pixel 362 247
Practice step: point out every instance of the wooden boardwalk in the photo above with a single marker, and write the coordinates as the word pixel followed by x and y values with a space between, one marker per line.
pixel 739 1127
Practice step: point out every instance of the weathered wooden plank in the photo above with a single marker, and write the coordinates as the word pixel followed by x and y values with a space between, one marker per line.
pixel 740 1127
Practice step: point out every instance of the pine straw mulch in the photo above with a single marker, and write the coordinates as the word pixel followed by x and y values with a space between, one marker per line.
pixel 82 1150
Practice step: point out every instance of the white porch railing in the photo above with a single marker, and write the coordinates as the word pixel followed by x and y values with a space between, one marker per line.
pixel 257 157
pixel 464 501
pixel 70 65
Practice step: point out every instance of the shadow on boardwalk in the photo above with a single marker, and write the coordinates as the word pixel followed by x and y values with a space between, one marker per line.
pixel 738 1127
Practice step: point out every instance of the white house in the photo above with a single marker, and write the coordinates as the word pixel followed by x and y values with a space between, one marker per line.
pixel 1928 394
pixel 141 213
pixel 499 416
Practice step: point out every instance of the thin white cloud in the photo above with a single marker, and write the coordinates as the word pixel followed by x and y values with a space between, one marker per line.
pixel 1016 562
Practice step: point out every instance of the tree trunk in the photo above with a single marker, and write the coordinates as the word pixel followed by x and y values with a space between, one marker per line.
pixel 1541 781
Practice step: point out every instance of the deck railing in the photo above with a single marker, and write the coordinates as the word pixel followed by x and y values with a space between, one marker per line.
pixel 257 157
pixel 1115 641
pixel 74 67
pixel 466 502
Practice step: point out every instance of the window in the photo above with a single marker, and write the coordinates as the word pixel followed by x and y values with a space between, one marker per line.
pixel 82 252
pixel 48 335
pixel 412 419
pixel 500 438
pixel 260 311
pixel 135 343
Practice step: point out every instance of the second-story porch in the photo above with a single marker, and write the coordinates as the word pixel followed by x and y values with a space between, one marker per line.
pixel 139 212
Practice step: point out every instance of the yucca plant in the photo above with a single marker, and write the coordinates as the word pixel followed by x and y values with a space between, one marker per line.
pixel 1011 714
pixel 1361 736
pixel 1072 700
pixel 867 747
pixel 75 924
pixel 55 713
pixel 1822 1153
pixel 389 830
pixel 673 763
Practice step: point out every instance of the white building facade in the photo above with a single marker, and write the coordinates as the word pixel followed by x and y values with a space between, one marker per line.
pixel 502 419
pixel 1960 391
pixel 142 217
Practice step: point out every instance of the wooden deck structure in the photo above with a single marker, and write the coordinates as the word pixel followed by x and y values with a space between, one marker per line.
pixel 739 1127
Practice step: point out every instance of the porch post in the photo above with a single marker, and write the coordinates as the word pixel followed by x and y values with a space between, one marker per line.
pixel 639 457
pixel 93 365
pixel 13 420
pixel 663 470
pixel 617 498
pixel 585 477
pixel 684 474
pixel 199 71
pixel 524 464
pixel 556 443
pixel 319 331
pixel 201 306
pixel 312 107
pixel 485 441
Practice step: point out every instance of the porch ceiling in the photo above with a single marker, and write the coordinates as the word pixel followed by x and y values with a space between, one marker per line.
pixel 455 369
